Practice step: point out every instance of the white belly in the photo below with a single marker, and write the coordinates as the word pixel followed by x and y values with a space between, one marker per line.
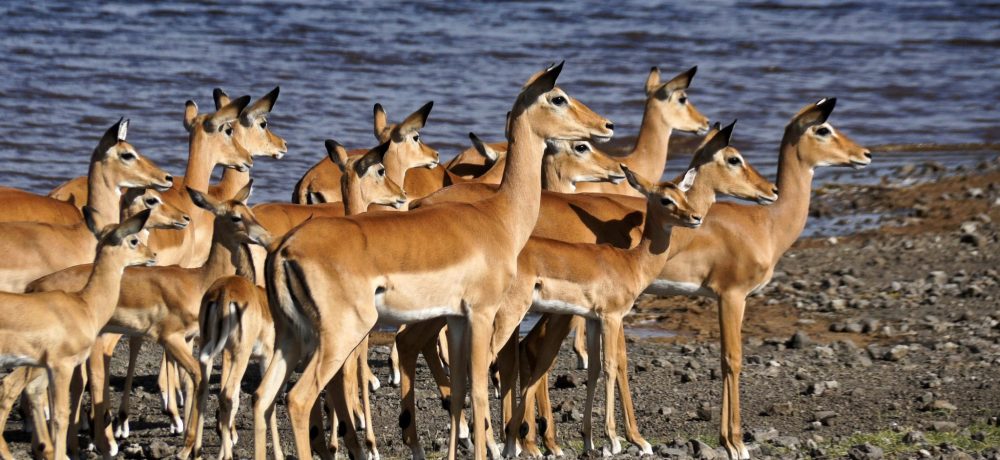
pixel 558 307
pixel 663 287
pixel 387 315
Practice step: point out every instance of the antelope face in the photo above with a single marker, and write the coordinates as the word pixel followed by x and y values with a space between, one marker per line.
pixel 667 201
pixel 123 164
pixel 122 241
pixel 405 145
pixel 739 179
pixel 364 175
pixel 671 102
pixel 243 224
pixel 378 189
pixel 253 131
pixel 820 144
pixel 164 215
pixel 558 116
pixel 215 133
pixel 579 161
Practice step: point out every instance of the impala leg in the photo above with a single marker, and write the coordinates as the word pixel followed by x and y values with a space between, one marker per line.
pixel 343 393
pixel 76 405
pixel 317 441
pixel 37 398
pixel 98 363
pixel 480 335
pixel 731 307
pixel 394 363
pixel 580 342
pixel 272 420
pixel 180 352
pixel 335 347
pixel 548 338
pixel 373 385
pixel 545 410
pixel 410 341
pixel 442 349
pixel 60 376
pixel 628 408
pixel 609 339
pixel 163 382
pixel 507 366
pixel 531 375
pixel 11 387
pixel 192 446
pixel 171 382
pixel 229 397
pixel 134 346
pixel 593 372
pixel 286 354
pixel 457 339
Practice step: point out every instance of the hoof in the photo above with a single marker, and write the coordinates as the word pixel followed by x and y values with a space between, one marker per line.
pixel 581 362
pixel 616 446
pixel 374 384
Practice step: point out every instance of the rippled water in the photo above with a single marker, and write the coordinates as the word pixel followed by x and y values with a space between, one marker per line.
pixel 904 72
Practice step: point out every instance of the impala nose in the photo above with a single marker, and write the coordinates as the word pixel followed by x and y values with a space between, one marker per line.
pixel 186 218
pixel 868 154
pixel 169 178
pixel 610 126
pixel 774 189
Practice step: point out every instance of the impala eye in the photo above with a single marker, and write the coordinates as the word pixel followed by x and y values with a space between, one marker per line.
pixel 582 148
pixel 237 219
pixel 133 242
pixel 667 201
pixel 229 130
pixel 263 124
pixel 152 202
pixel 735 161
pixel 127 156
pixel 559 100
pixel 823 131
pixel 416 138
pixel 381 172
pixel 683 100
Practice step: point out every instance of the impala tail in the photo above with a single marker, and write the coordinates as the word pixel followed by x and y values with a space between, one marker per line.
pixel 287 293
pixel 221 315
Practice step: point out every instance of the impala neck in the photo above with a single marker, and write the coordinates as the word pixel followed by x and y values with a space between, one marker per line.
pixel 651 253
pixel 103 196
pixel 649 156
pixel 395 167
pixel 552 180
pixel 520 191
pixel 791 210
pixel 244 263
pixel 232 181
pixel 200 164
pixel 103 288
pixel 350 191
pixel 223 258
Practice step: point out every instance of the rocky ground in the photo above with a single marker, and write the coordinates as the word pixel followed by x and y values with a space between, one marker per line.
pixel 884 343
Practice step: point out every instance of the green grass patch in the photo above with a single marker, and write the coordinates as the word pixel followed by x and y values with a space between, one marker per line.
pixel 891 441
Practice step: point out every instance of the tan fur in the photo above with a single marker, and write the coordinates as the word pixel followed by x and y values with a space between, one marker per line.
pixel 56 330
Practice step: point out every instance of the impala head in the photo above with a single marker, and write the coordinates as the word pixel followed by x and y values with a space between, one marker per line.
pixel 233 217
pixel 554 114
pixel 722 165
pixel 365 175
pixel 253 131
pixel 671 101
pixel 124 163
pixel 164 215
pixel 215 132
pixel 405 145
pixel 122 241
pixel 580 161
pixel 667 200
pixel 818 143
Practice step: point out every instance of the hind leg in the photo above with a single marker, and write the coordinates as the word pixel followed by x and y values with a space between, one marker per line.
pixel 134 346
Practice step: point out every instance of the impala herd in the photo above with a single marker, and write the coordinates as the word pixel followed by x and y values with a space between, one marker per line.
pixel 454 255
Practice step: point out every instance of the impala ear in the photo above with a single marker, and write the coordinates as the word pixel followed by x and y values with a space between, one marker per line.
pixel 263 106
pixel 688 181
pixel 652 81
pixel 636 181
pixel 415 121
pixel 682 80
pixel 371 158
pixel 190 113
pixel 545 80
pixel 203 201
pixel 130 227
pixel 244 193
pixel 718 139
pixel 228 113
pixel 123 129
pixel 337 153
pixel 381 122
pixel 110 138
pixel 815 114
pixel 486 151
pixel 220 97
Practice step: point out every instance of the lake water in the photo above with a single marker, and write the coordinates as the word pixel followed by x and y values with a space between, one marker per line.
pixel 904 72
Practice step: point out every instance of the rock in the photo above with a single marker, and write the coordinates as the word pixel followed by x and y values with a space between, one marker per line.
pixel 942 427
pixel 564 381
pixel 940 404
pixel 671 452
pixel 701 450
pixel 132 450
pixel 973 239
pixel 896 353
pixel 938 277
pixel 708 412
pixel 763 434
pixel 159 450
pixel 799 341
pixel 788 442
pixel 865 452
pixel 914 437
pixel 853 327
pixel 782 408
pixel 666 411
pixel 824 416
pixel 870 325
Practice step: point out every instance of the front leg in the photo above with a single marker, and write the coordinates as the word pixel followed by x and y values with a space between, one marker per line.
pixel 631 425
pixel 731 307
pixel 610 327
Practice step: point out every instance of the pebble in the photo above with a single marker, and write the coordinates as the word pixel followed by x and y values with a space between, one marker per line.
pixel 788 442
pixel 763 434
pixel 940 426
pixel 701 450
pixel 782 408
pixel 865 452
pixel 896 353
pixel 159 450
pixel 940 404
pixel 799 341
pixel 824 416
pixel 914 437
pixel 564 381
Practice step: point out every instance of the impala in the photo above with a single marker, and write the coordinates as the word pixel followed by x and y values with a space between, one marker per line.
pixel 413 266
pixel 735 253
pixel 236 321
pixel 35 249
pixel 321 184
pixel 61 328
pixel 162 302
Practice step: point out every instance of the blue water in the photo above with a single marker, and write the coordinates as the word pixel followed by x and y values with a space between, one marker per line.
pixel 905 72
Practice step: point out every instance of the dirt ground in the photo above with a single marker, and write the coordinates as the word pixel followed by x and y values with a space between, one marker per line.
pixel 883 343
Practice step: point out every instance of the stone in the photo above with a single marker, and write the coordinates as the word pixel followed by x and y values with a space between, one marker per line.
pixel 940 404
pixel 799 341
pixel 701 450
pixel 159 450
pixel 708 412
pixel 865 452
pixel 896 353
pixel 941 426
pixel 763 434
pixel 782 408
pixel 564 381
pixel 824 416
pixel 914 437
pixel 788 442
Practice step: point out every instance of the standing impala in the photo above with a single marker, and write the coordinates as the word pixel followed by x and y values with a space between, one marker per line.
pixel 35 249
pixel 321 184
pixel 235 319
pixel 56 330
pixel 451 260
